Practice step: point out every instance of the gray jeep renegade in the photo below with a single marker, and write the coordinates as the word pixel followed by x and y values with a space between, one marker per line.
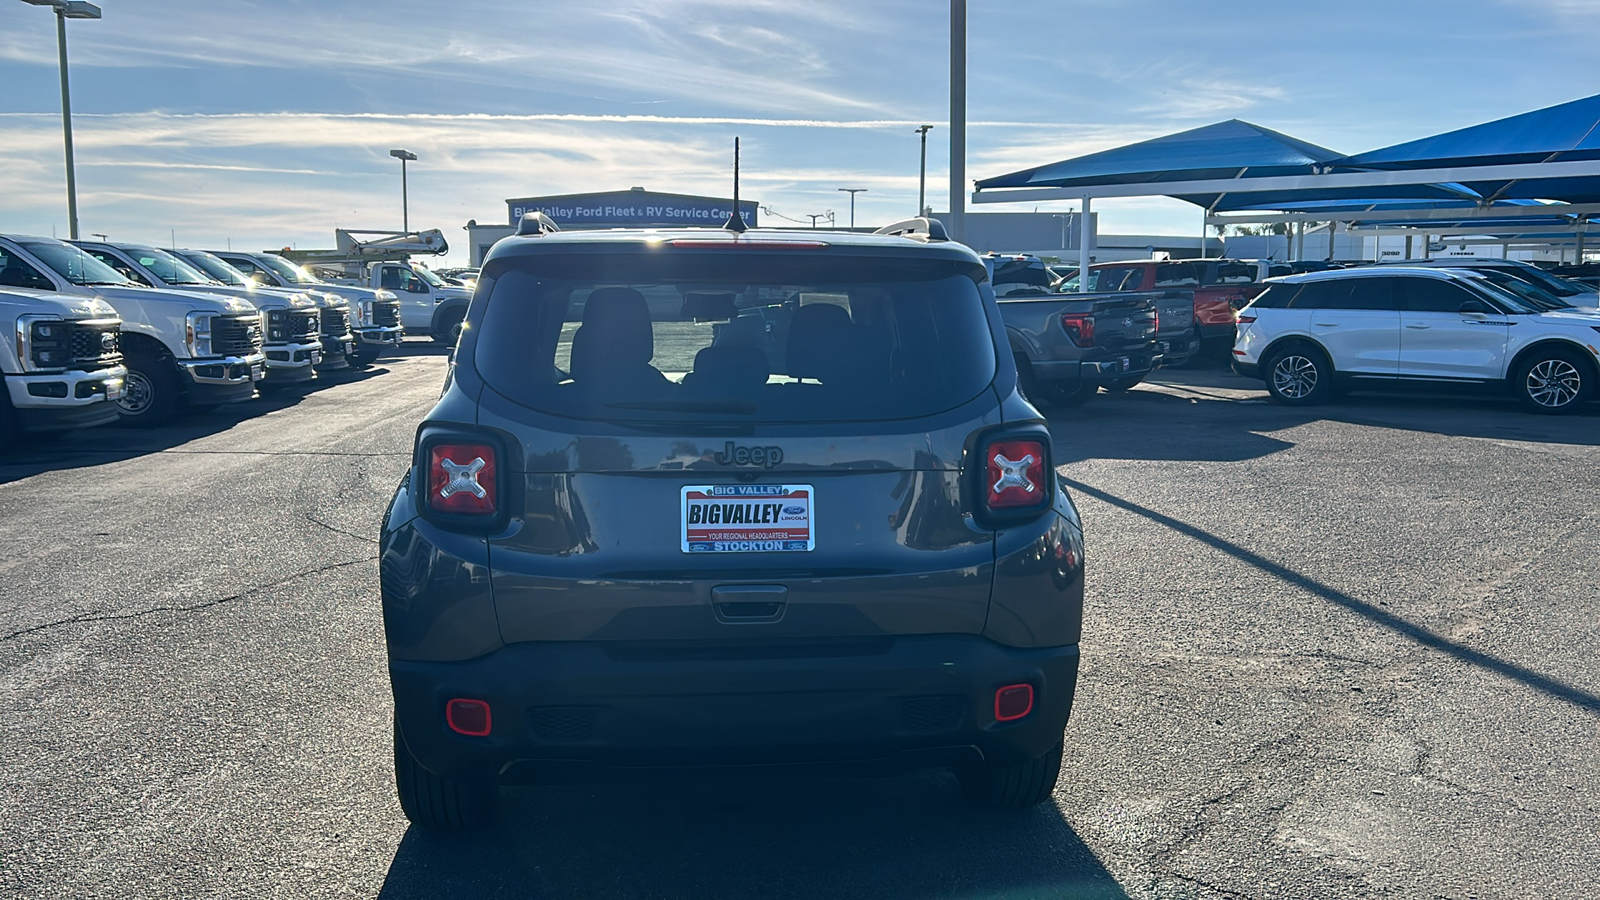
pixel 706 500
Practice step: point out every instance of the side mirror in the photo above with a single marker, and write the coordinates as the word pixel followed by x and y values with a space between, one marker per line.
pixel 258 278
pixel 1475 307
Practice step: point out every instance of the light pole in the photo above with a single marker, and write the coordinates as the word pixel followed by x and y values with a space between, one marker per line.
pixel 405 201
pixel 853 192
pixel 68 9
pixel 922 177
pixel 957 226
pixel 815 217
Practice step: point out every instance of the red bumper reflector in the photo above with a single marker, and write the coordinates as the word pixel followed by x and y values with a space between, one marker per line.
pixel 1012 702
pixel 470 717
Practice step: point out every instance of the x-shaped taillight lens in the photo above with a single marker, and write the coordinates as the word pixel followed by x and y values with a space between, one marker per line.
pixel 461 479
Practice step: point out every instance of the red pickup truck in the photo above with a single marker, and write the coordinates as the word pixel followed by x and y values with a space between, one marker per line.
pixel 1217 288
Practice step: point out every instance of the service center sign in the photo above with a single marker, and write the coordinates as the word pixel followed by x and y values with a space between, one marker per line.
pixel 730 518
pixel 633 209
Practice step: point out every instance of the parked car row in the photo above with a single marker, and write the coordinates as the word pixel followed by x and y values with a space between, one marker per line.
pixel 109 332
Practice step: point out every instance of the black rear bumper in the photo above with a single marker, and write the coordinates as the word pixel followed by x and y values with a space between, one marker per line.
pixel 586 710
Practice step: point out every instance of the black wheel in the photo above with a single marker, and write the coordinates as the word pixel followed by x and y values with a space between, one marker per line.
pixel 150 393
pixel 1119 385
pixel 449 328
pixel 1065 396
pixel 1298 375
pixel 431 801
pixel 1015 787
pixel 1553 380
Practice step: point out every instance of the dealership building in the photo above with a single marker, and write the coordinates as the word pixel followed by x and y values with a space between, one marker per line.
pixel 634 208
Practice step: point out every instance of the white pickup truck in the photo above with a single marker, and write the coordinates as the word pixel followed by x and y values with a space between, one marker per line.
pixel 375 314
pixel 293 320
pixel 64 370
pixel 180 348
pixel 427 304
pixel 339 348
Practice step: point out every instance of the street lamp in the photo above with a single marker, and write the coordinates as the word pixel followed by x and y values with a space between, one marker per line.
pixel 922 179
pixel 68 9
pixel 853 192
pixel 405 201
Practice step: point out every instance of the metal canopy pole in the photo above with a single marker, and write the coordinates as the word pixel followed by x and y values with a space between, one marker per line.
pixel 1083 248
pixel 957 226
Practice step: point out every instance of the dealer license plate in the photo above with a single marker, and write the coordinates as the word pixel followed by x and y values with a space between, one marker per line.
pixel 742 518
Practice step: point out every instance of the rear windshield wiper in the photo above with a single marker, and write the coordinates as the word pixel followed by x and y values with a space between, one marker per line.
pixel 730 407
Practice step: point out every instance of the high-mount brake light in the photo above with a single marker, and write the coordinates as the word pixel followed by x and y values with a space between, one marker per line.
pixel 693 243
pixel 1244 319
pixel 462 479
pixel 1080 327
pixel 1015 475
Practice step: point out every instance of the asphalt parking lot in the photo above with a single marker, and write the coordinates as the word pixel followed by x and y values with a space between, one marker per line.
pixel 1345 652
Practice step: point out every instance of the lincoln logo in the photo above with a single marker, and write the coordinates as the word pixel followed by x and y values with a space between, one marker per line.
pixel 749 456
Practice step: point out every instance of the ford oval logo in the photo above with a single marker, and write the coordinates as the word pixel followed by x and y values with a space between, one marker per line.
pixel 1127 323
pixel 108 340
pixel 794 510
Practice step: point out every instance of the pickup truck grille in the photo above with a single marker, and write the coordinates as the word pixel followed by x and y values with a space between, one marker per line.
pixel 335 322
pixel 303 324
pixel 386 313
pixel 236 335
pixel 90 347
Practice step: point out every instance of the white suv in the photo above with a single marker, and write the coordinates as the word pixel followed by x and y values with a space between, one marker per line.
pixel 1309 335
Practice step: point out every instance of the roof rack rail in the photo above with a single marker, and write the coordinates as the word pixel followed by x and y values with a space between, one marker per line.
pixel 920 228
pixel 536 223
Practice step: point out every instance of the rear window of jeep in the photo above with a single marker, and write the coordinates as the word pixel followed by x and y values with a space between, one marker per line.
pixel 743 340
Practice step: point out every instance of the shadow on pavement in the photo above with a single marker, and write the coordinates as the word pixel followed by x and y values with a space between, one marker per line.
pixel 907 837
pixel 1213 415
pixel 1383 618
pixel 114 443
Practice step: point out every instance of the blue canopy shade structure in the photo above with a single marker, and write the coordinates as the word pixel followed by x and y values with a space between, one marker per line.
pixel 1565 131
pixel 1221 150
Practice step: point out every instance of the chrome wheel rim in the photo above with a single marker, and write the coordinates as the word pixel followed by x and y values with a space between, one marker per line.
pixel 137 393
pixel 1294 377
pixel 1553 383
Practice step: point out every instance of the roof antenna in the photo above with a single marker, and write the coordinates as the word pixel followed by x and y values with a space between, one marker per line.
pixel 735 221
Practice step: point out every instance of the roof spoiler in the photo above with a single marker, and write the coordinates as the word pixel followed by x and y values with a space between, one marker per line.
pixel 536 223
pixel 919 229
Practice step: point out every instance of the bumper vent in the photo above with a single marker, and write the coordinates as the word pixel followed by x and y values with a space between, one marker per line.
pixel 563 724
pixel 931 715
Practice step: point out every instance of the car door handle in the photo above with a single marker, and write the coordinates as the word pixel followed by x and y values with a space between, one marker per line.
pixel 1326 324
pixel 1417 325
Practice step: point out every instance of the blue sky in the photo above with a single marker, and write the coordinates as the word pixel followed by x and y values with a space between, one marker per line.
pixel 266 124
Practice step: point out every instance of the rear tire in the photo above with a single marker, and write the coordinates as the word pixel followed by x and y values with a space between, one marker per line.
pixel 150 394
pixel 1298 375
pixel 1015 787
pixel 433 801
pixel 1061 396
pixel 450 328
pixel 1553 381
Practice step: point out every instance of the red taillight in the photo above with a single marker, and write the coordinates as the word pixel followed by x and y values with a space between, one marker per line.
pixel 1243 319
pixel 461 479
pixel 1080 328
pixel 1015 475
pixel 1012 702
pixel 1156 326
pixel 471 717
pixel 747 244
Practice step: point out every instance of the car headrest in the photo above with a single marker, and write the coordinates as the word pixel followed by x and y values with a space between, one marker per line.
pixel 615 332
pixel 814 338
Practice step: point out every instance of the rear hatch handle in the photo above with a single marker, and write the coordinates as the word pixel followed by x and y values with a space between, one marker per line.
pixel 749 604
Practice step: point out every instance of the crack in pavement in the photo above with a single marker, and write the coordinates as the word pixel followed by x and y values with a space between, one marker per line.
pixel 336 530
pixel 111 617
